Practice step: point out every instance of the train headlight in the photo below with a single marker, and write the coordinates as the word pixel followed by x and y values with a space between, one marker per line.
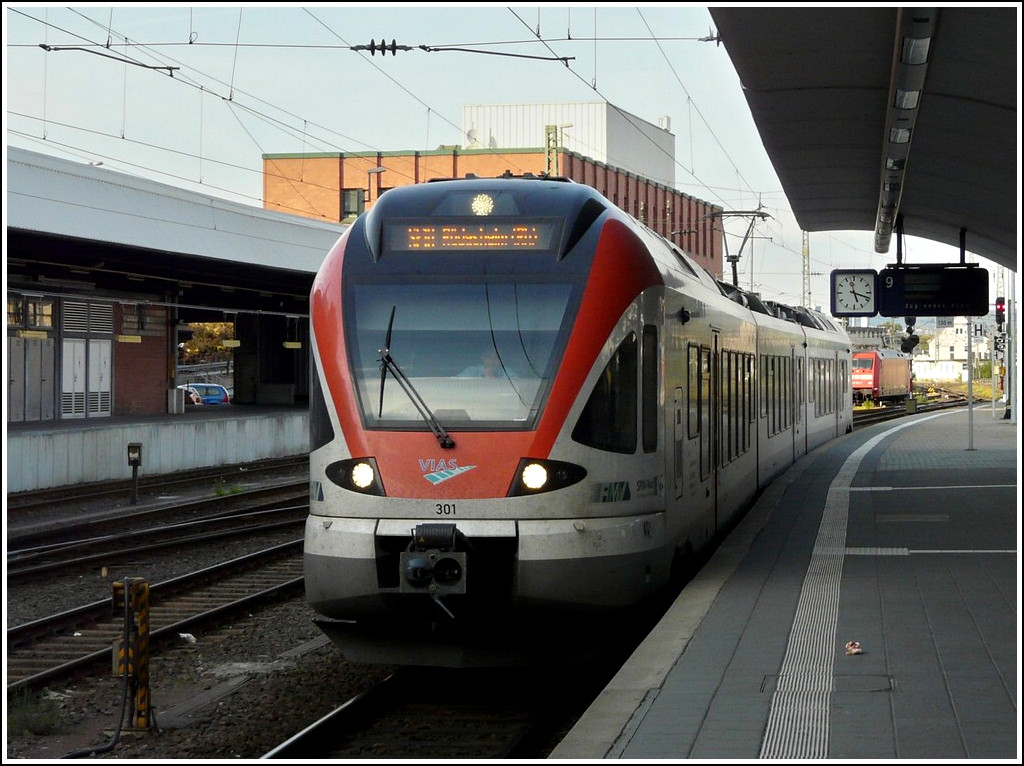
pixel 363 475
pixel 535 476
pixel 439 573
pixel 357 475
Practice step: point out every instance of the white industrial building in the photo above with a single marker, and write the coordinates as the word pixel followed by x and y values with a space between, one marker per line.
pixel 945 358
pixel 595 129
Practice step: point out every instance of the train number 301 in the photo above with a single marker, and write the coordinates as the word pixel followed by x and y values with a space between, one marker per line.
pixel 445 509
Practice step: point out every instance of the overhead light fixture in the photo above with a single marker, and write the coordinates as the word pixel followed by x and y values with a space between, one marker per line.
pixel 915 27
pixel 906 99
pixel 899 135
pixel 915 50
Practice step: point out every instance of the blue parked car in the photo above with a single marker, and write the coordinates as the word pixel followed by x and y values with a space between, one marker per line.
pixel 206 393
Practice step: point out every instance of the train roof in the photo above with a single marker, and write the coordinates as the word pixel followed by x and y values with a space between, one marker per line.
pixel 799 314
pixel 882 351
pixel 583 204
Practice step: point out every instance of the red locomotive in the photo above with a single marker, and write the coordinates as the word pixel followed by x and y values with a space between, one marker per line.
pixel 881 375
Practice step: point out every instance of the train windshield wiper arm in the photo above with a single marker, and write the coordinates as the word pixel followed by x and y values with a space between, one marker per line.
pixel 387 364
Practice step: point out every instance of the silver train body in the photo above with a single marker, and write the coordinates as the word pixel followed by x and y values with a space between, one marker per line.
pixel 642 406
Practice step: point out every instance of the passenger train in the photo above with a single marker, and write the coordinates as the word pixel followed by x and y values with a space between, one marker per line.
pixel 633 409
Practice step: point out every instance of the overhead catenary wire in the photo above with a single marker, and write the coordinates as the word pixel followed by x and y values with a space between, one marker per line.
pixel 467 47
pixel 315 137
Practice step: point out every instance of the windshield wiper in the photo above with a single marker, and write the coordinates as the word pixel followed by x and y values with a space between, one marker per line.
pixel 387 364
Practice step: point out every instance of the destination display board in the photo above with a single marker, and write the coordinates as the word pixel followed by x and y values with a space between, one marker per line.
pixel 933 290
pixel 432 236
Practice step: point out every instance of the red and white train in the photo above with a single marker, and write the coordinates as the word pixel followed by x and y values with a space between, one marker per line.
pixel 635 408
pixel 881 375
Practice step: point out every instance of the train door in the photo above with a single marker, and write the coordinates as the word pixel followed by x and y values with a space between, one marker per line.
pixel 710 378
pixel 677 441
pixel 698 467
pixel 796 389
pixel 840 381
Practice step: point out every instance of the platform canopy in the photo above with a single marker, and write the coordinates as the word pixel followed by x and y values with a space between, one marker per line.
pixel 877 118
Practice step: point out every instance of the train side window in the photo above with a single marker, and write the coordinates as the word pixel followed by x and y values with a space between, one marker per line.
pixel 728 408
pixel 705 412
pixel 762 387
pixel 787 392
pixel 693 393
pixel 812 390
pixel 799 389
pixel 649 388
pixel 608 421
pixel 748 395
pixel 833 382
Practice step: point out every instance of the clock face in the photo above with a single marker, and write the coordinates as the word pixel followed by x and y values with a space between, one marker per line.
pixel 853 292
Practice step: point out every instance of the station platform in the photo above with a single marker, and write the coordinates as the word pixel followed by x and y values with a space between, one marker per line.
pixel 902 537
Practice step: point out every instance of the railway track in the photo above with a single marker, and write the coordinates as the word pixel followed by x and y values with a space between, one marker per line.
pixel 866 417
pixel 80 639
pixel 24 503
pixel 424 713
pixel 54 524
pixel 53 558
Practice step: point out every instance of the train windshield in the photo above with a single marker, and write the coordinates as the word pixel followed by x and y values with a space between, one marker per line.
pixel 480 355
pixel 862 363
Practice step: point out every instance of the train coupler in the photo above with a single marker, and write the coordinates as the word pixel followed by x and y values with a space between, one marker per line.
pixel 431 564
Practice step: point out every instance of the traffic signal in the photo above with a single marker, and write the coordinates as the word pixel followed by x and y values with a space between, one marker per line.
pixel 908 344
pixel 1000 312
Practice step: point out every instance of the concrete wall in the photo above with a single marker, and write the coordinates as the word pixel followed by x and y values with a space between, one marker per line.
pixel 63 456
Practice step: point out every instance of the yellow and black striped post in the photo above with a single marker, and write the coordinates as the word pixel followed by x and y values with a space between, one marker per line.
pixel 133 654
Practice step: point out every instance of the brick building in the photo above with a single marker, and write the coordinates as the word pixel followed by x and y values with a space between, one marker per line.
pixel 337 187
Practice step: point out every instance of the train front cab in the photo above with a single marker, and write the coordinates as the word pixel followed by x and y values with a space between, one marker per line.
pixel 655 490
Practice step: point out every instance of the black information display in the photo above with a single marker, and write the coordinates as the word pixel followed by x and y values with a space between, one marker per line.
pixel 937 290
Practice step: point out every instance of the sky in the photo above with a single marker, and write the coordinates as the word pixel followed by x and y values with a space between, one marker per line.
pixel 193 96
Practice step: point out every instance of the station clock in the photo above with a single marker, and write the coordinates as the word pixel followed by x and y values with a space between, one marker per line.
pixel 854 293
